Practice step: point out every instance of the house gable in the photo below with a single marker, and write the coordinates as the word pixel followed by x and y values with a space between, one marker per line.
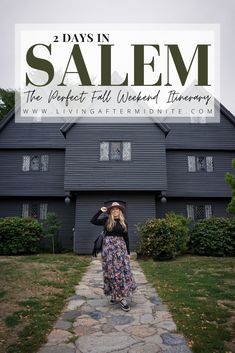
pixel 214 136
pixel 29 135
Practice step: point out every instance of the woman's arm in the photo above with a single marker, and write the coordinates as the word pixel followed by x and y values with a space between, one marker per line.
pixel 97 221
pixel 126 238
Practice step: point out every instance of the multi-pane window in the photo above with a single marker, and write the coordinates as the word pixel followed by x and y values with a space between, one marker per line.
pixel 200 164
pixel 35 163
pixel 25 210
pixel 196 212
pixel 115 151
pixel 35 210
pixel 104 151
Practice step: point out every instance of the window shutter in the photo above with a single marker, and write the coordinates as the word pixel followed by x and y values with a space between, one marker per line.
pixel 190 211
pixel 43 211
pixel 104 151
pixel 209 164
pixel 126 151
pixel 191 164
pixel 208 211
pixel 25 210
pixel 26 163
pixel 44 162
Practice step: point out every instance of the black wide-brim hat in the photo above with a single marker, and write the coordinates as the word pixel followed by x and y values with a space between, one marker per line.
pixel 115 204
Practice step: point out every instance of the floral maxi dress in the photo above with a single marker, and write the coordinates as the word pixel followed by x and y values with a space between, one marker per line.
pixel 118 278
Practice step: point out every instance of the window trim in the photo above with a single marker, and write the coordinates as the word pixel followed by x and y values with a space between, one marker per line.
pixel 109 151
pixel 30 156
pixel 26 208
pixel 195 164
pixel 207 207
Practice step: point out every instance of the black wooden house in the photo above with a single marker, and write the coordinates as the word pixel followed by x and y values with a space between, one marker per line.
pixel 75 169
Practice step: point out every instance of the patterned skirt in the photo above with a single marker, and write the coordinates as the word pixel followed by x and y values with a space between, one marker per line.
pixel 118 278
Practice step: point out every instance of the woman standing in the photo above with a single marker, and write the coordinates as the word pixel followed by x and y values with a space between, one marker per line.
pixel 118 278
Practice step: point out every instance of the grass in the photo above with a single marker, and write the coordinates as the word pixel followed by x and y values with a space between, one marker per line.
pixel 200 294
pixel 33 293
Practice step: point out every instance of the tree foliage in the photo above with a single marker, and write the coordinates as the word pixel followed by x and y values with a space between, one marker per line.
pixel 51 229
pixel 7 101
pixel 230 179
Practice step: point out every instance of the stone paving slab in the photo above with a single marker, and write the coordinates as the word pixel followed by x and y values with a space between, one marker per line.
pixel 89 324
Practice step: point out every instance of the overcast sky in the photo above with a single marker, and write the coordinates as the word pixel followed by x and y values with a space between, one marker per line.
pixel 122 11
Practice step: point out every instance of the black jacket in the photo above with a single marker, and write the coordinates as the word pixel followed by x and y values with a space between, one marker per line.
pixel 117 229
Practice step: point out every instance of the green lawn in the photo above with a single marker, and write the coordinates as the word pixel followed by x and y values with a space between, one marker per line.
pixel 33 290
pixel 200 294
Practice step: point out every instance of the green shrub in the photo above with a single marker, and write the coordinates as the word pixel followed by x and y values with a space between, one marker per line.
pixel 163 238
pixel 19 235
pixel 214 236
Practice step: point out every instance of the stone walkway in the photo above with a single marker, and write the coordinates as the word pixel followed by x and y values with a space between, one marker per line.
pixel 89 324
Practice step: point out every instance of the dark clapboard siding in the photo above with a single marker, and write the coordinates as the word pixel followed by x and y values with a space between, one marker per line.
pixel 84 170
pixel 179 205
pixel 31 135
pixel 66 214
pixel 14 182
pixel 12 206
pixel 139 207
pixel 205 136
pixel 183 183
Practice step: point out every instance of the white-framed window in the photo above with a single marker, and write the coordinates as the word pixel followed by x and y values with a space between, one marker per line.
pixel 43 211
pixel 104 151
pixel 25 210
pixel 44 162
pixel 191 164
pixel 115 151
pixel 37 210
pixel 26 163
pixel 35 163
pixel 208 211
pixel 190 211
pixel 209 164
pixel 200 164
pixel 126 151
pixel 197 212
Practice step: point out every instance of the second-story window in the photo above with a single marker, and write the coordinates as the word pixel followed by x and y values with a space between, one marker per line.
pixel 115 151
pixel 200 164
pixel 35 163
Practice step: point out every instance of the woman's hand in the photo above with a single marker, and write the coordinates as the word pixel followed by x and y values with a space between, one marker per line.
pixel 128 257
pixel 103 209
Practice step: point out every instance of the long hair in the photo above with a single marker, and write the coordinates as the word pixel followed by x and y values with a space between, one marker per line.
pixel 111 221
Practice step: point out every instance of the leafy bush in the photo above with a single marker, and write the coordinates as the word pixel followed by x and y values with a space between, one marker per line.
pixel 214 236
pixel 163 238
pixel 19 235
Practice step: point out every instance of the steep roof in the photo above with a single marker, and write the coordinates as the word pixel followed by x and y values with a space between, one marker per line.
pixel 67 126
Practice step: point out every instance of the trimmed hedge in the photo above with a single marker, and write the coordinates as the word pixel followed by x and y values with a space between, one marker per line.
pixel 163 238
pixel 214 236
pixel 19 235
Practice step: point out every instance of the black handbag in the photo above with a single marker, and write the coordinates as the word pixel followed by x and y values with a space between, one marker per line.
pixel 98 243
